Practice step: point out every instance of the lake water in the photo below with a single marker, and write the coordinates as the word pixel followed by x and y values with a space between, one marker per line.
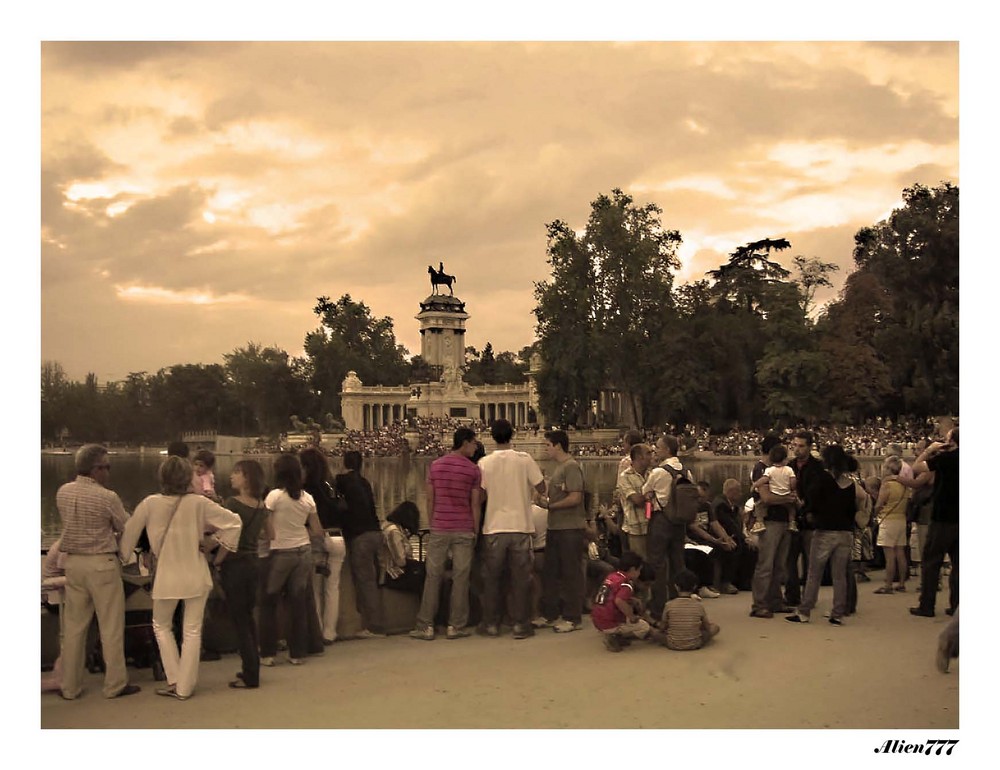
pixel 393 479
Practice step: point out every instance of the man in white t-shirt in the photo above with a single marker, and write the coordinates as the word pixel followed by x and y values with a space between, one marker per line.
pixel 508 477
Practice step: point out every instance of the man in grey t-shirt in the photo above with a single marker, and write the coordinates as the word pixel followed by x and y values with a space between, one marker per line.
pixel 566 540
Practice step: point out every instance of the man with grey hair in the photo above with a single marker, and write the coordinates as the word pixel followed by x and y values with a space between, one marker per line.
pixel 93 519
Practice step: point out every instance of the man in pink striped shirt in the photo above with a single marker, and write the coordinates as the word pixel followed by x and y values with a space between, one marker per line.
pixel 454 502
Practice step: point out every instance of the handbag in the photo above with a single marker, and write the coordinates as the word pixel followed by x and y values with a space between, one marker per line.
pixel 153 558
pixel 410 580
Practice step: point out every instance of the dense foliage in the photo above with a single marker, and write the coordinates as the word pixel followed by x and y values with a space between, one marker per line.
pixel 743 346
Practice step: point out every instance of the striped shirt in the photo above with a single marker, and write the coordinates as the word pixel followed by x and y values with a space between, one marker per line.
pixel 453 477
pixel 93 517
pixel 683 618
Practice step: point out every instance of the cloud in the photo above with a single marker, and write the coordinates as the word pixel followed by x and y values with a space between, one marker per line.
pixel 259 176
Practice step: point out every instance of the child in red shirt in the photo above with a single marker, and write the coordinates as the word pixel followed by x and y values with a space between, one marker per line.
pixel 616 609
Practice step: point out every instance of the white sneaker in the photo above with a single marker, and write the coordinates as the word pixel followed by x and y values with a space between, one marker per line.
pixel 541 622
pixel 565 626
pixel 707 593
pixel 267 661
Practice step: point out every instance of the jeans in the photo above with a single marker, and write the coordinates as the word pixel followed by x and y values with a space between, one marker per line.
pixel 799 544
pixel 665 544
pixel 942 538
pixel 93 584
pixel 772 561
pixel 832 546
pixel 438 544
pixel 181 667
pixel 512 549
pixel 563 574
pixel 362 555
pixel 239 581
pixel 290 569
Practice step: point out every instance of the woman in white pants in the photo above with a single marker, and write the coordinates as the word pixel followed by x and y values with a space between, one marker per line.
pixel 329 553
pixel 176 522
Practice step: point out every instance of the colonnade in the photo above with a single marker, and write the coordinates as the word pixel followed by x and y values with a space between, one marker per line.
pixel 378 415
pixel 519 413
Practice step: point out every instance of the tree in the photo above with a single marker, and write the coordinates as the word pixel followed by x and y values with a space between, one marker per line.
pixel 264 382
pixel 601 312
pixel 349 338
pixel 812 274
pixel 744 278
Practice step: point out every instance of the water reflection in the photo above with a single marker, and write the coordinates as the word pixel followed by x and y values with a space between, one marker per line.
pixel 394 479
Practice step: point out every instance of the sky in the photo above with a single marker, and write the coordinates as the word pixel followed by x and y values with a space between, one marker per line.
pixel 196 196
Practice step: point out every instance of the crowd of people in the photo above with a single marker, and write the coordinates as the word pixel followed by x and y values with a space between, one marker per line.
pixel 641 568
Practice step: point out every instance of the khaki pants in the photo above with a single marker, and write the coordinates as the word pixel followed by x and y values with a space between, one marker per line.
pixel 94 585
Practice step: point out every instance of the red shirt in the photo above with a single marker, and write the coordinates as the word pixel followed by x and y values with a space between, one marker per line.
pixel 453 478
pixel 605 612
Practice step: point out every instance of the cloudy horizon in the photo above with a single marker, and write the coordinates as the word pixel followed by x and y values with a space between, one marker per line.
pixel 198 196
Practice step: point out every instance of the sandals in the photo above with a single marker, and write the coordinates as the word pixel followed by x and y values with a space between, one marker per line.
pixel 171 692
pixel 883 590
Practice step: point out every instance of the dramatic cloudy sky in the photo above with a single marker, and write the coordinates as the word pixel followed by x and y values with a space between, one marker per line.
pixel 196 196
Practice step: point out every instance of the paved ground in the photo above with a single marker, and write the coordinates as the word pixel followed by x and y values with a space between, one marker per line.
pixel 877 671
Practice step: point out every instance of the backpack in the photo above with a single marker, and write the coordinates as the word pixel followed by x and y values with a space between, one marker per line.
pixel 682 508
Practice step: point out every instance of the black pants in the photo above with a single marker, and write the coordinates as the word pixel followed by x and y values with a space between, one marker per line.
pixel 942 538
pixel 562 574
pixel 725 564
pixel 239 581
pixel 798 545
pixel 666 556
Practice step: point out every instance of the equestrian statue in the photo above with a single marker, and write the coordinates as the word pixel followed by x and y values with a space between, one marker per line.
pixel 440 278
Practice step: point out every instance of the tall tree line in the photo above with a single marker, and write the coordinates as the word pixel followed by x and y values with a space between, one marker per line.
pixel 744 345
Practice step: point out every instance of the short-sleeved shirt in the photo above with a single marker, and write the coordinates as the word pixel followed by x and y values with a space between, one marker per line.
pixel 289 518
pixel 630 482
pixel 945 467
pixel 661 481
pixel 508 476
pixel 567 477
pixel 781 479
pixel 604 612
pixel 683 617
pixel 453 477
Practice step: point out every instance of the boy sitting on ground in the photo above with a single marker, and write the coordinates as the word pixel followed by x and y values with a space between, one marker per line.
pixel 616 610
pixel 685 622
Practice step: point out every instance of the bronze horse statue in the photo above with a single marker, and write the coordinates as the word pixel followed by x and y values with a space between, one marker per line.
pixel 440 278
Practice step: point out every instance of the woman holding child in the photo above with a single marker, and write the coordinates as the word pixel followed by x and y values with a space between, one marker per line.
pixel 835 499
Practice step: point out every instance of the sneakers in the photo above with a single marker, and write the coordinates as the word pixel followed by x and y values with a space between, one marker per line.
pixel 761 614
pixel 836 621
pixel 129 689
pixel 707 593
pixel 296 661
pixel 491 630
pixel 799 618
pixel 612 643
pixel 366 634
pixel 542 622
pixel 269 661
pixel 565 626
pixel 457 633
pixel 424 634
pixel 520 632
pixel 727 588
pixel 919 611
pixel 171 692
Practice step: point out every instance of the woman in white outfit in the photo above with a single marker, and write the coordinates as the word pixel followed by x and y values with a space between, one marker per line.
pixel 176 522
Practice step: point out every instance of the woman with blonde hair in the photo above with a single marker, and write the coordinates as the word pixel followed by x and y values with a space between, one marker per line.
pixel 176 522
pixel 890 515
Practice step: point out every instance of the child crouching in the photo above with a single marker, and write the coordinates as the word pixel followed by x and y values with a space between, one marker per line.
pixel 616 610
pixel 685 621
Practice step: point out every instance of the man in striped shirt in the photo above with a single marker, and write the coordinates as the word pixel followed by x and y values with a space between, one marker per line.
pixel 453 499
pixel 93 519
